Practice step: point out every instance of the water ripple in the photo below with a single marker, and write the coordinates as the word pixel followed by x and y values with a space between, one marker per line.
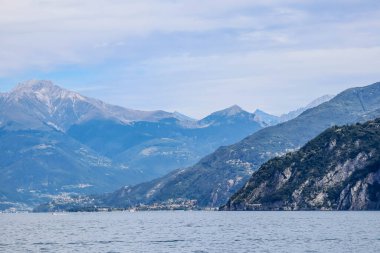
pixel 196 232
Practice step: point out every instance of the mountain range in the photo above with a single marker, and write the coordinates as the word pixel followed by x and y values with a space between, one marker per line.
pixel 55 141
pixel 338 170
pixel 216 177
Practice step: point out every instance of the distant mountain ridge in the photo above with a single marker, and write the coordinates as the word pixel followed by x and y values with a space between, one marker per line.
pixel 228 115
pixel 38 104
pixel 338 170
pixel 271 120
pixel 266 119
pixel 293 114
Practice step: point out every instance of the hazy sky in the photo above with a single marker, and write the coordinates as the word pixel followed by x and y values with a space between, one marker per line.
pixel 193 56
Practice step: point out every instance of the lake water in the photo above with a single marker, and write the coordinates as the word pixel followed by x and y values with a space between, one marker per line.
pixel 191 232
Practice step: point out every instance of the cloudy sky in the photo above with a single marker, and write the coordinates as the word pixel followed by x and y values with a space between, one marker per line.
pixel 193 56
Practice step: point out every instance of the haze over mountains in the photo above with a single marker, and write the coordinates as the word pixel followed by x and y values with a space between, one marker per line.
pixel 55 141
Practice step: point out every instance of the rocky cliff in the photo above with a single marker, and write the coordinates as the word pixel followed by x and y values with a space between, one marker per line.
pixel 338 170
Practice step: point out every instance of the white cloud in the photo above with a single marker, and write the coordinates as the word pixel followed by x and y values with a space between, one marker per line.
pixel 275 81
pixel 180 54
pixel 46 33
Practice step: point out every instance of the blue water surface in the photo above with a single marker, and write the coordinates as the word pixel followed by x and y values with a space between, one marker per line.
pixel 191 231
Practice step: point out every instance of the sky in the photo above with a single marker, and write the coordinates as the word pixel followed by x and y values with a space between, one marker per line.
pixel 193 56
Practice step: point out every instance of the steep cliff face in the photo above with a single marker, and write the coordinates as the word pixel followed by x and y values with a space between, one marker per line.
pixel 338 170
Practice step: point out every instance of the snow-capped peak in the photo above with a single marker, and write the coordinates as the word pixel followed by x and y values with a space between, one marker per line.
pixel 44 102
pixel 45 91
pixel 265 119
pixel 227 115
pixel 319 101
pixel 230 111
pixel 183 117
pixel 33 85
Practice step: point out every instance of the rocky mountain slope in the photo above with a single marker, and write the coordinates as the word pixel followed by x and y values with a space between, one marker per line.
pixel 217 176
pixel 338 170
